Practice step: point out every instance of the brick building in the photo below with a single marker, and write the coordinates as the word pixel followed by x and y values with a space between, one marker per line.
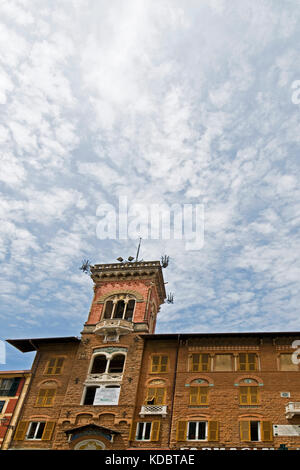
pixel 121 386
pixel 13 387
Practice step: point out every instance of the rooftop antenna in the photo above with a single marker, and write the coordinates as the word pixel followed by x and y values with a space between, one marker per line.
pixel 138 251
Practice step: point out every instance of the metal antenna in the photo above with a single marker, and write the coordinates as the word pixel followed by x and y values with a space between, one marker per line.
pixel 138 250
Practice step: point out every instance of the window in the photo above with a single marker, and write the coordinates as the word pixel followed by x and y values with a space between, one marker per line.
pixel 145 431
pixel 199 363
pixel 54 366
pixel 2 403
pixel 248 395
pixel 45 397
pixel 159 363
pixel 34 430
pixel 254 430
pixel 223 362
pixel 198 395
pixel 111 365
pixel 99 364
pixel 120 306
pixel 247 361
pixel 156 396
pixel 102 395
pixel 9 387
pixel 199 430
pixel 286 364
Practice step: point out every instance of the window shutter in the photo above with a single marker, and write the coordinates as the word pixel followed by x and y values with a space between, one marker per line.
pixel 21 430
pixel 155 364
pixel 266 431
pixel 203 395
pixel 181 431
pixel 160 396
pixel 164 364
pixel 204 362
pixel 194 395
pixel 252 361
pixel 242 361
pixel 150 395
pixel 50 366
pixel 213 431
pixel 243 395
pixel 245 430
pixel 155 431
pixel 132 432
pixel 253 395
pixel 195 363
pixel 49 398
pixel 58 365
pixel 14 386
pixel 41 397
pixel 47 434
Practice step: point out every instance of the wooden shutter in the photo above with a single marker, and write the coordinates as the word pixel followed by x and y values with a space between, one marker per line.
pixel 50 366
pixel 242 361
pixel 202 395
pixel 155 366
pixel 132 432
pixel 59 365
pixel 195 363
pixel 213 431
pixel 45 397
pixel 194 395
pixel 21 430
pixel 48 430
pixel 181 431
pixel 266 431
pixel 41 397
pixel 160 394
pixel 245 430
pixel 163 363
pixel 155 431
pixel 251 361
pixel 14 387
pixel 253 395
pixel 150 395
pixel 243 395
pixel 204 362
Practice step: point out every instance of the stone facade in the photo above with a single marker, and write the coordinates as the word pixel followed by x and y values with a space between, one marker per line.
pixel 120 386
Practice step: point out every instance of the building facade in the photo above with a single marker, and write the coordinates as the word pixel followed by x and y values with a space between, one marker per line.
pixel 13 387
pixel 121 386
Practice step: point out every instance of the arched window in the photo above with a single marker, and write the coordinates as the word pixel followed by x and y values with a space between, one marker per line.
pixel 108 364
pixel 248 392
pixel 99 364
pixel 199 392
pixel 120 306
pixel 116 364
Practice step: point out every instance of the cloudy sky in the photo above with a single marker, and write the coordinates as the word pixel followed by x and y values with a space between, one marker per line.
pixel 157 101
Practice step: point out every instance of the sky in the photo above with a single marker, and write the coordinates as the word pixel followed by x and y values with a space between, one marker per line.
pixel 159 102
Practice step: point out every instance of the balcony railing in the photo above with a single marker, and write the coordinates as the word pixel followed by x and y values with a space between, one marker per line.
pixel 147 410
pixel 110 377
pixel 292 409
pixel 113 326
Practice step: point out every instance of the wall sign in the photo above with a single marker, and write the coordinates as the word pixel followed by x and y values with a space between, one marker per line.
pixel 107 396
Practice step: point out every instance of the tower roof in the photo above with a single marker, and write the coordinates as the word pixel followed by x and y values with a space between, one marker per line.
pixel 129 270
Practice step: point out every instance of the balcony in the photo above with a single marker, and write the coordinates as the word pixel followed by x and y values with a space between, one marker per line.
pixel 292 409
pixel 113 328
pixel 148 410
pixel 107 378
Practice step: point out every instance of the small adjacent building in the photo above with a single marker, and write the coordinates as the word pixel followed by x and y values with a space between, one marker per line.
pixel 13 387
pixel 121 386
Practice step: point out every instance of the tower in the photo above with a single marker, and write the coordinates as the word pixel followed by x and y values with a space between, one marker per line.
pixel 127 298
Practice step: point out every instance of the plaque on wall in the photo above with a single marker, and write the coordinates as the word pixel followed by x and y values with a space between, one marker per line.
pixel 286 429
